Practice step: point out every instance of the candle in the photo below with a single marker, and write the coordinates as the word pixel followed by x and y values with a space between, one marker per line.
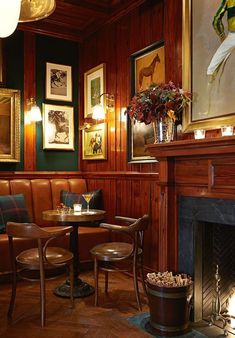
pixel 77 207
pixel 227 130
pixel 199 134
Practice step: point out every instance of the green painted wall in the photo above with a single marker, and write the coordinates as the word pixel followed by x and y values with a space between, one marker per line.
pixel 65 53
pixel 14 68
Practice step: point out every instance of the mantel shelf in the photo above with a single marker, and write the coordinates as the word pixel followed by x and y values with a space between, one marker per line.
pixel 189 148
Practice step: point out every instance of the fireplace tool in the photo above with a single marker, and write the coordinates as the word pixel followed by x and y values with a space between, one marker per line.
pixel 216 306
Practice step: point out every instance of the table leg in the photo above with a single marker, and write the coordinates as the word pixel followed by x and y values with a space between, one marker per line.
pixel 81 288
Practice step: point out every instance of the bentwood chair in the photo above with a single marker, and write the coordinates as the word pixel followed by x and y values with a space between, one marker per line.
pixel 108 256
pixel 40 258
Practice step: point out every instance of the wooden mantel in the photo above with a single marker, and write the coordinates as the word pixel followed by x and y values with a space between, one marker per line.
pixel 191 168
pixel 207 146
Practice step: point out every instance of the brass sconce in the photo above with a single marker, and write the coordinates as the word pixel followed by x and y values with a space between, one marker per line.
pixel 98 111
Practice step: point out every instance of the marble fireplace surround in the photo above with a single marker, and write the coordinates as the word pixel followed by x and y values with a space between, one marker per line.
pixel 194 214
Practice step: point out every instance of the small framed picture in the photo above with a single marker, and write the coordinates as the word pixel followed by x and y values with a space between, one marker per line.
pixel 94 142
pixel 94 87
pixel 58 82
pixel 58 127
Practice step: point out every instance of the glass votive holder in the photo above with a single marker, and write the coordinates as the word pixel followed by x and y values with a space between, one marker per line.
pixel 199 134
pixel 77 207
pixel 227 130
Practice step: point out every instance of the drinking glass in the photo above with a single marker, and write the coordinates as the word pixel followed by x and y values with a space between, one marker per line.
pixel 87 197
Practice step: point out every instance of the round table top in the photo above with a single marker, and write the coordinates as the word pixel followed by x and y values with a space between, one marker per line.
pixel 74 216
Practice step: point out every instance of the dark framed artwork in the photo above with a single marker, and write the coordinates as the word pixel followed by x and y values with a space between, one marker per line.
pixel 213 102
pixel 147 66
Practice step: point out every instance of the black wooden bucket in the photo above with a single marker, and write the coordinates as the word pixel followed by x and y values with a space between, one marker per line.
pixel 169 309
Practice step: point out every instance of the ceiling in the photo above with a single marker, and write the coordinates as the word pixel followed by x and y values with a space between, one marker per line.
pixel 77 19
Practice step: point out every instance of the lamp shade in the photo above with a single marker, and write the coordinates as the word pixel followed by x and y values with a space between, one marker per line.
pixel 9 16
pixel 98 112
pixel 35 114
pixel 33 10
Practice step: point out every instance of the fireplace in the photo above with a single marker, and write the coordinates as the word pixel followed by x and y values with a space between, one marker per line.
pixel 207 239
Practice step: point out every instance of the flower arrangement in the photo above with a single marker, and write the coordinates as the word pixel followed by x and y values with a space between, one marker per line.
pixel 157 102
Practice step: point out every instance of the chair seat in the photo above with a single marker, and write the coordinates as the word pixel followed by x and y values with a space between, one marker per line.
pixel 55 255
pixel 113 251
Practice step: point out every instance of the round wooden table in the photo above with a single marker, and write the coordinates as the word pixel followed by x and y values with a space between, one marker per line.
pixel 81 288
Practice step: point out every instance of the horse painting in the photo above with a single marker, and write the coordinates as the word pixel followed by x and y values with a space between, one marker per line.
pixel 96 144
pixel 148 71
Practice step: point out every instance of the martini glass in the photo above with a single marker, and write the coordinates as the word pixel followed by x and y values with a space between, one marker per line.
pixel 87 197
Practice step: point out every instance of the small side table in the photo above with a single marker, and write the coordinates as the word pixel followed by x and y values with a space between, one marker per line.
pixel 81 288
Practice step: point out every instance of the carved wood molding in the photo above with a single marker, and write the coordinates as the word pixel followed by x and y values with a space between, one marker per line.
pixel 78 174
pixel 208 146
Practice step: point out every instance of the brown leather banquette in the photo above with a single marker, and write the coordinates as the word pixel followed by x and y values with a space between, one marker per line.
pixel 44 194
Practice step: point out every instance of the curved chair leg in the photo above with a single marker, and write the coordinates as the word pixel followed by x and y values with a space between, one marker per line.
pixel 71 277
pixel 13 295
pixel 106 274
pixel 42 287
pixel 136 284
pixel 96 277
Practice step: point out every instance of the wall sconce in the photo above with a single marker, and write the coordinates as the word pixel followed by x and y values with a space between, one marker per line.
pixel 98 112
pixel 33 113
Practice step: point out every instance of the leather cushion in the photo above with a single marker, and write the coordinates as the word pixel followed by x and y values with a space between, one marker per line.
pixel 13 209
pixel 70 198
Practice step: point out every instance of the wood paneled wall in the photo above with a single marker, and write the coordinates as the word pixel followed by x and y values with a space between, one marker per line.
pixel 130 193
pixel 129 189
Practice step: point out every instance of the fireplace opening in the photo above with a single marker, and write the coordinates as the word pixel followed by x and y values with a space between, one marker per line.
pixel 207 240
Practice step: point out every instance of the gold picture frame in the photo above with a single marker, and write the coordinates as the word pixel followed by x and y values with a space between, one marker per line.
pixel 94 87
pixel 94 142
pixel 58 127
pixel 9 125
pixel 207 110
pixel 58 82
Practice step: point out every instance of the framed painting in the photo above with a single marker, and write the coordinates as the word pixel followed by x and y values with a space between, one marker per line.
pixel 94 142
pixel 58 127
pixel 210 80
pixel 2 63
pixel 9 125
pixel 94 87
pixel 147 66
pixel 58 82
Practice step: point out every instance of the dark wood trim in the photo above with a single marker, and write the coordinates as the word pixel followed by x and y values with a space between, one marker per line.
pixel 29 91
pixel 120 174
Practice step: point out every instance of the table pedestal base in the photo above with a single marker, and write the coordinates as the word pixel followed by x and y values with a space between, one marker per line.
pixel 81 289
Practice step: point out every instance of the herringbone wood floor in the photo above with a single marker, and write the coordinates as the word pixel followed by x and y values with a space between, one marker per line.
pixel 109 320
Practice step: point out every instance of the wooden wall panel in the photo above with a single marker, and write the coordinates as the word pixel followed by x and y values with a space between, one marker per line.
pixel 114 45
